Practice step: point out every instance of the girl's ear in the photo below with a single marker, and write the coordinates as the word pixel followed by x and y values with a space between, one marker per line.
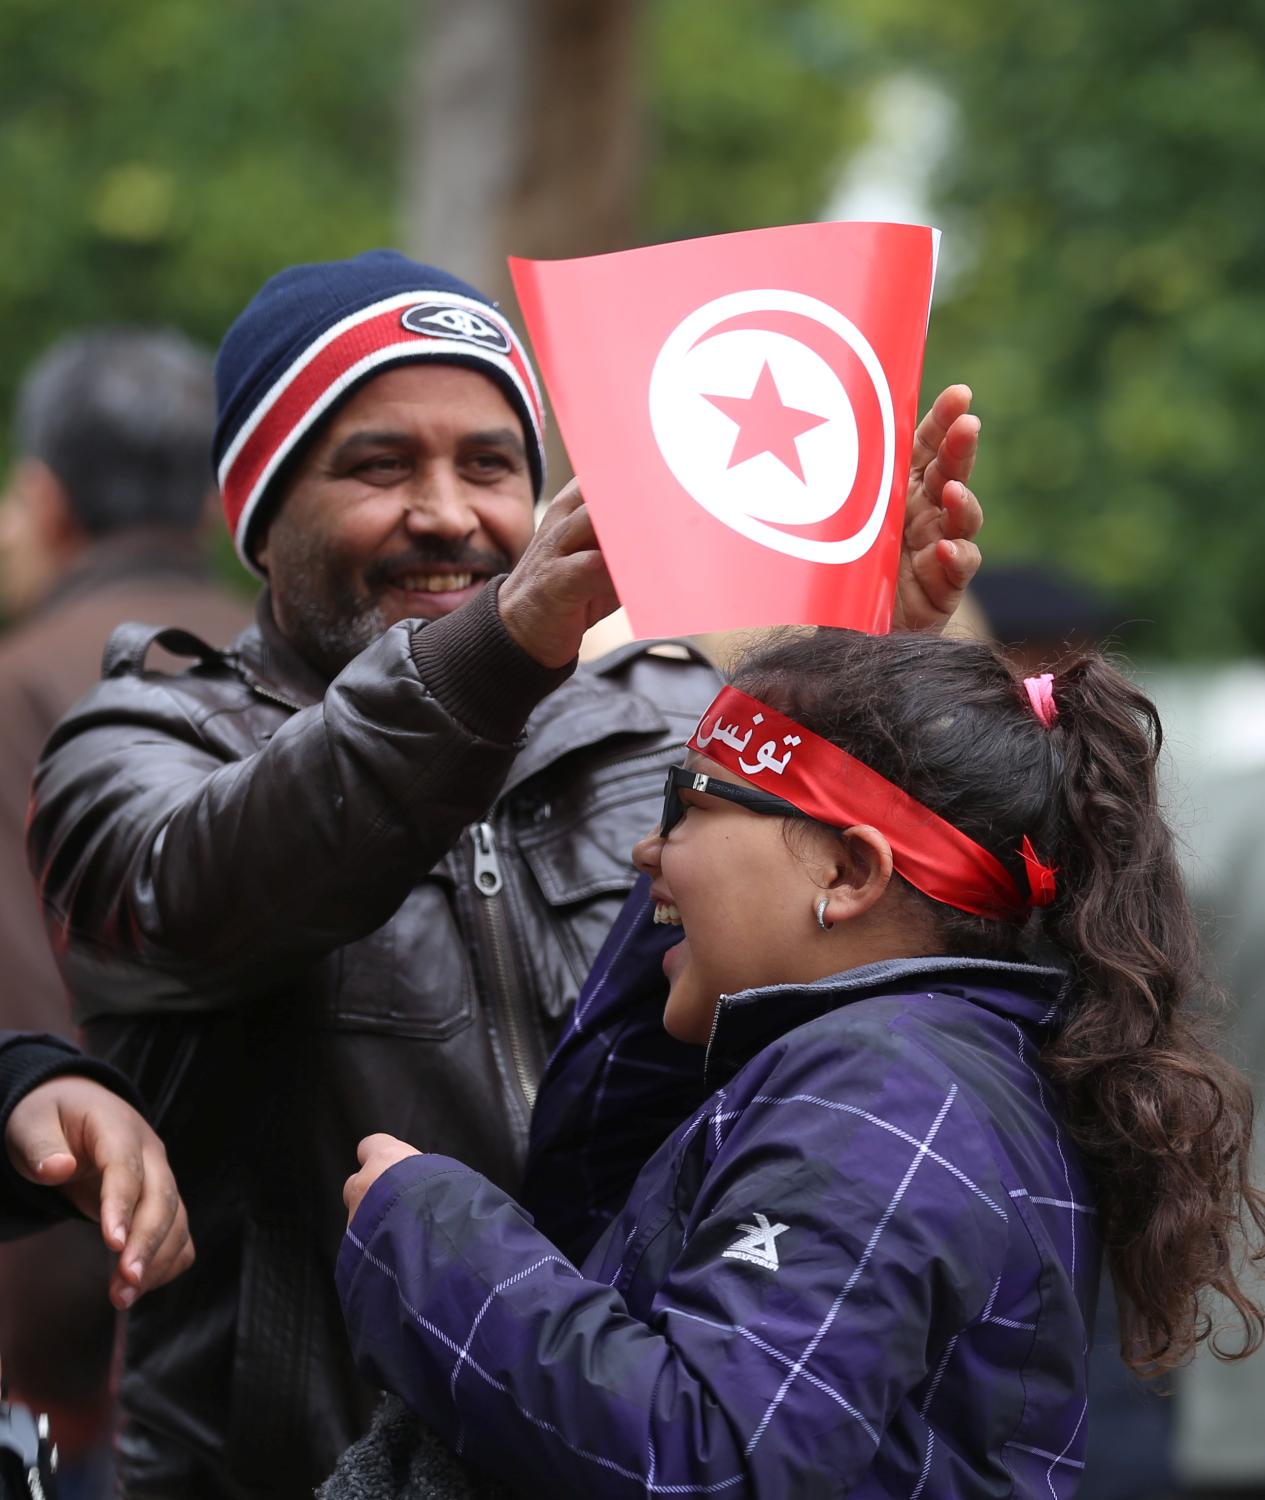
pixel 860 875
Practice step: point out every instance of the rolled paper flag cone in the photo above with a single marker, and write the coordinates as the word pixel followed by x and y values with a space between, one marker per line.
pixel 740 411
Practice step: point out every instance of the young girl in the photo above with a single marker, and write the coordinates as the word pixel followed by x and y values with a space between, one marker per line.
pixel 933 936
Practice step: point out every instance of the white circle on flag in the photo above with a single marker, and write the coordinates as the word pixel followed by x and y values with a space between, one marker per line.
pixel 759 429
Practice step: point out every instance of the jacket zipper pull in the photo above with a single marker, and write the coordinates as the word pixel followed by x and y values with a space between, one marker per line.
pixel 487 867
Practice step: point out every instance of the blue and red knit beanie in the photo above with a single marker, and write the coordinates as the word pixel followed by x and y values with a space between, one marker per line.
pixel 313 333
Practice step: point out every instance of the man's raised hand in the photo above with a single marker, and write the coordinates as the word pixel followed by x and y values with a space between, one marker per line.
pixel 938 555
pixel 559 586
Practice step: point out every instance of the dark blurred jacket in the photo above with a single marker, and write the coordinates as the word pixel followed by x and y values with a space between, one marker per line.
pixel 48 661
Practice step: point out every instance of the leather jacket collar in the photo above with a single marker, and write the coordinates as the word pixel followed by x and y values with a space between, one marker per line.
pixel 271 665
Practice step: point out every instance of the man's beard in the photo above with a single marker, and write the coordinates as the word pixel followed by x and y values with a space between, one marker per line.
pixel 331 615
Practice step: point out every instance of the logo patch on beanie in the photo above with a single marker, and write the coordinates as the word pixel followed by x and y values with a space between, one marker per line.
pixel 441 320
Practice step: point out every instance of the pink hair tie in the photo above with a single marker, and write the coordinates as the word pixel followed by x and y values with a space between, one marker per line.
pixel 1041 696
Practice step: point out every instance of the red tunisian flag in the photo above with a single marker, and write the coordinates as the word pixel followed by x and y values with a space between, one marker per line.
pixel 740 411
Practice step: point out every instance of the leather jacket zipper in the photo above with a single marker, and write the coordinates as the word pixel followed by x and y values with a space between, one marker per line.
pixel 263 692
pixel 511 1007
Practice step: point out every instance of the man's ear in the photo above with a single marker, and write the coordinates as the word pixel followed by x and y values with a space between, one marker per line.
pixel 48 509
pixel 860 876
pixel 259 548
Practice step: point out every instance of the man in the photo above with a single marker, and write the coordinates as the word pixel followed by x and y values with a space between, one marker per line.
pixel 99 525
pixel 349 876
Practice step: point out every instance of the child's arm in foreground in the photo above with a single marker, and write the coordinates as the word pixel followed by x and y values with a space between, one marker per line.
pixel 828 1262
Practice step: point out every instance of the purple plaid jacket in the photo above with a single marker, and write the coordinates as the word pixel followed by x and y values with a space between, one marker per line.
pixel 865 1264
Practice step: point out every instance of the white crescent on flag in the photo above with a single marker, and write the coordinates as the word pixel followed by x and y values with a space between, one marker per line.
pixel 752 417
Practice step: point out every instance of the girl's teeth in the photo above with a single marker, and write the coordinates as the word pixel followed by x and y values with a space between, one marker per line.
pixel 666 914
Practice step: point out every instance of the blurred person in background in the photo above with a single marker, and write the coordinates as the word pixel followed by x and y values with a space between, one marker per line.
pixel 1037 613
pixel 1200 1434
pixel 351 874
pixel 100 522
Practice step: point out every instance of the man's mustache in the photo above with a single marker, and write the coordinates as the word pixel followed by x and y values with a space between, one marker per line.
pixel 436 557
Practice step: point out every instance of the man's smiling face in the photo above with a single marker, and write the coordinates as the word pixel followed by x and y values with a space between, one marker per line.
pixel 415 493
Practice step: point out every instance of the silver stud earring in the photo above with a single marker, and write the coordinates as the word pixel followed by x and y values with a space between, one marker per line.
pixel 821 915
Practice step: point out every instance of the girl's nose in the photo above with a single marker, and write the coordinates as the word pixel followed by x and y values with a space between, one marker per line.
pixel 645 854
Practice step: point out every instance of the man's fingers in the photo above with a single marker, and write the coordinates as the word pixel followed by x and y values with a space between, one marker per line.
pixel 962 515
pixel 960 562
pixel 567 500
pixel 568 497
pixel 960 447
pixel 952 403
pixel 956 458
pixel 575 532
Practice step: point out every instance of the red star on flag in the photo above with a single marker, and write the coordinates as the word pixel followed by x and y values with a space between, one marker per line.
pixel 766 424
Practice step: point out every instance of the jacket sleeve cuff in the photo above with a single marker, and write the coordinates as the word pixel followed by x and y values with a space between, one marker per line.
pixel 479 673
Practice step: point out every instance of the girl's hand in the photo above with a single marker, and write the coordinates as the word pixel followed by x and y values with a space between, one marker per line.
pixel 375 1154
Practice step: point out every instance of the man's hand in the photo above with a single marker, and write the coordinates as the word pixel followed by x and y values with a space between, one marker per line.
pixel 939 557
pixel 375 1154
pixel 74 1135
pixel 560 585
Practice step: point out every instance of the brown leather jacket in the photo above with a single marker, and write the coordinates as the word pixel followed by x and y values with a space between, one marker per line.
pixel 297 914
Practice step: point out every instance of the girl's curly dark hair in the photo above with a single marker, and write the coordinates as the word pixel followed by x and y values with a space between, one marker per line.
pixel 1163 1121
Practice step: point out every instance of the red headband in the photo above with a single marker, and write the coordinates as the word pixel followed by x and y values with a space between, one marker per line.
pixel 837 789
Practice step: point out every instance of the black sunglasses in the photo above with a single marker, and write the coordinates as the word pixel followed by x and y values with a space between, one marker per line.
pixel 745 796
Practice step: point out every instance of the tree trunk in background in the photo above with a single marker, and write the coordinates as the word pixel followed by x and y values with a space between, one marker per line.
pixel 523 137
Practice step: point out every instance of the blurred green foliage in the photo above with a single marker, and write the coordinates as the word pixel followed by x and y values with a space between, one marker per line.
pixel 1101 197
pixel 161 158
